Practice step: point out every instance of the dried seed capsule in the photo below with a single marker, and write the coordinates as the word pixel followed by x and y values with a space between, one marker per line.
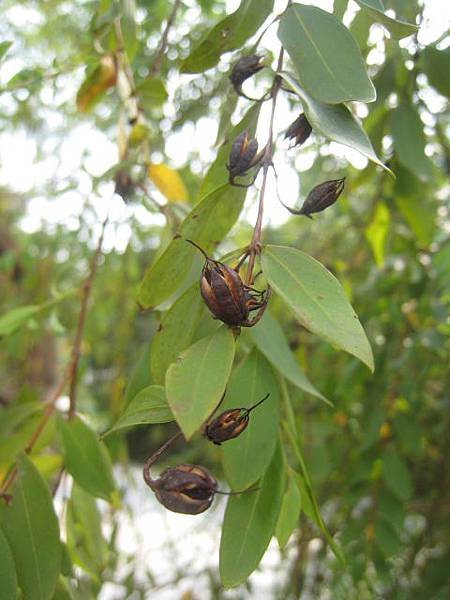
pixel 242 154
pixel 187 489
pixel 226 295
pixel 298 131
pixel 319 198
pixel 245 68
pixel 230 423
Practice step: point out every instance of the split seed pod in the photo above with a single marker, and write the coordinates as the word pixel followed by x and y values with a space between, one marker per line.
pixel 186 489
pixel 226 295
pixel 242 155
pixel 298 131
pixel 229 424
pixel 320 197
pixel 245 68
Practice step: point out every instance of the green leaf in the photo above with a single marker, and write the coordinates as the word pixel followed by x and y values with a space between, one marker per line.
pixel 86 458
pixel 128 26
pixel 8 576
pixel 325 55
pixel 207 223
pixel 269 338
pixel 14 415
pixel 335 122
pixel 152 92
pixel 417 208
pixel 398 29
pixel 308 499
pixel 409 141
pixel 339 8
pixel 175 332
pixel 16 318
pixel 396 475
pixel 229 34
pixel 289 513
pixel 4 47
pixel 196 382
pixel 436 65
pixel 86 544
pixel 316 298
pixel 140 376
pixel 386 538
pixel 147 407
pixel 249 524
pixel 376 232
pixel 246 458
pixel 31 528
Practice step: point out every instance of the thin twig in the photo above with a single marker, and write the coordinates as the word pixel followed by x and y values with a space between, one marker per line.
pixel 266 164
pixel 86 292
pixel 70 371
pixel 154 67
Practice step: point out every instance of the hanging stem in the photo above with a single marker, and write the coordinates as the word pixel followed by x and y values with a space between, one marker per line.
pixel 266 164
pixel 154 457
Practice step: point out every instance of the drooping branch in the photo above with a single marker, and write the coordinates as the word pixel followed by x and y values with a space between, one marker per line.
pixel 70 373
pixel 154 67
pixel 266 164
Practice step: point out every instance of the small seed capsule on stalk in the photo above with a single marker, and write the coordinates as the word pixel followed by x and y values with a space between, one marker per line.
pixel 230 424
pixel 298 131
pixel 319 198
pixel 245 68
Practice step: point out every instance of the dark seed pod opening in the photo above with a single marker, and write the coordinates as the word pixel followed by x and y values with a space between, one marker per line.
pixel 186 489
pixel 298 131
pixel 319 198
pixel 242 154
pixel 230 424
pixel 245 68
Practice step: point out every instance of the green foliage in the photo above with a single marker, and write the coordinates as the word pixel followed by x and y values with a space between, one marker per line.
pixel 196 382
pixel 85 458
pixel 249 524
pixel 137 350
pixel 327 59
pixel 316 298
pixel 31 529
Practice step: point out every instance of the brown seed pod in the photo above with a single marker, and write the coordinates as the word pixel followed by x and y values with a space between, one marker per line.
pixel 319 198
pixel 229 424
pixel 187 489
pixel 245 68
pixel 298 131
pixel 226 295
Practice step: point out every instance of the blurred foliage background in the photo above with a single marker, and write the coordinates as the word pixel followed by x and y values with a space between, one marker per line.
pixel 379 458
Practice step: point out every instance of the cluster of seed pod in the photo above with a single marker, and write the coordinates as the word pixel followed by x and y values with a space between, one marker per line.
pixel 244 155
pixel 190 489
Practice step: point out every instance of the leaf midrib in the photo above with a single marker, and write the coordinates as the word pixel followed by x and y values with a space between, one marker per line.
pixel 319 53
pixel 32 540
pixel 304 289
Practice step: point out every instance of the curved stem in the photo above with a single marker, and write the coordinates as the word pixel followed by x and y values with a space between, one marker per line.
pixel 154 457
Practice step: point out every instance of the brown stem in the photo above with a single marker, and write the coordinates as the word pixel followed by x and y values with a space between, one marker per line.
pixel 70 372
pixel 86 292
pixel 154 457
pixel 154 67
pixel 266 163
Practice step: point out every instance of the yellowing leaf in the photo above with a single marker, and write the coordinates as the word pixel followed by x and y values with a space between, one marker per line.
pixel 168 182
pixel 96 83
